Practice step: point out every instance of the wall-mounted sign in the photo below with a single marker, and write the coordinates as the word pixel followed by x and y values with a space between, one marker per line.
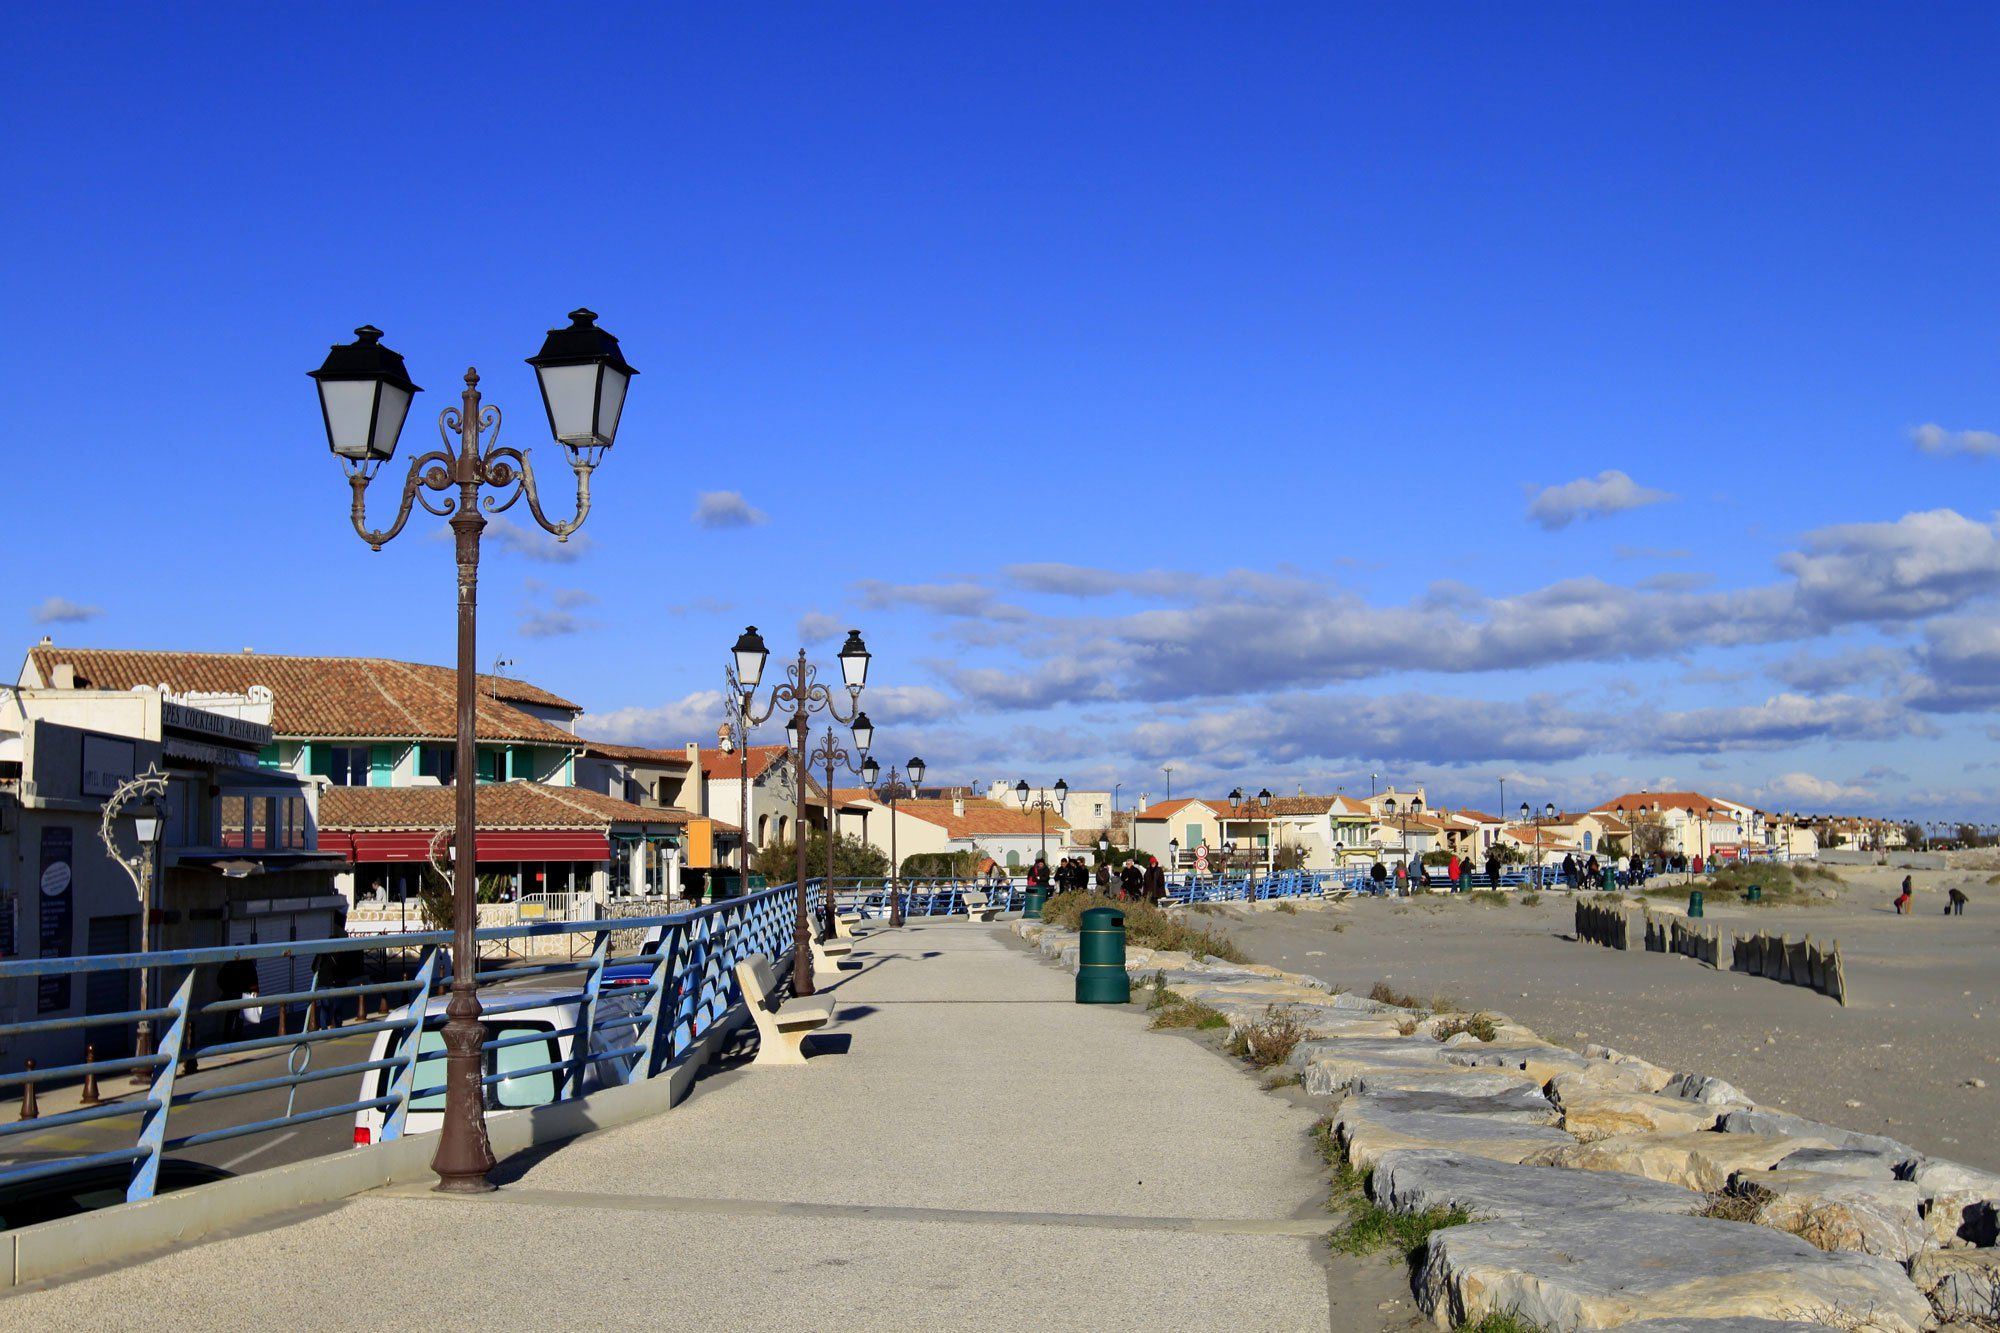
pixel 217 727
pixel 57 905
pixel 107 762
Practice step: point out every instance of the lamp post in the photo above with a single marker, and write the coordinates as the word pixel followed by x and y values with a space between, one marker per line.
pixel 915 770
pixel 148 787
pixel 832 756
pixel 1042 804
pixel 364 395
pixel 736 736
pixel 802 693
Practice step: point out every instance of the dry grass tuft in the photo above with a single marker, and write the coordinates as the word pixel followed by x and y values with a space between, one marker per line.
pixel 1271 1040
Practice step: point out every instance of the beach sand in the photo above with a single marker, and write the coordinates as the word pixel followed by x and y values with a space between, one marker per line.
pixel 1922 1023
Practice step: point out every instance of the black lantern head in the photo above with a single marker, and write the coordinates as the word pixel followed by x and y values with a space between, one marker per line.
pixel 854 662
pixel 871 773
pixel 750 656
pixel 364 394
pixel 915 768
pixel 864 733
pixel 583 377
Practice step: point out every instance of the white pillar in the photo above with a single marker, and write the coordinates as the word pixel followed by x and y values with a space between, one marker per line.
pixel 638 869
pixel 673 855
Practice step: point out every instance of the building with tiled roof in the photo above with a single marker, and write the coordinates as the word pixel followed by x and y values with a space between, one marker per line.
pixel 1698 824
pixel 1010 836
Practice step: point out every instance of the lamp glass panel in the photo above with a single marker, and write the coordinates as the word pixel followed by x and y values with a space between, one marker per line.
pixel 916 767
pixel 750 669
pixel 854 669
pixel 611 403
pixel 350 407
pixel 389 420
pixel 570 393
pixel 147 827
pixel 864 733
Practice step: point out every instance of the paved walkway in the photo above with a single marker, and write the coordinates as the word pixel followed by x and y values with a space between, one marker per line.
pixel 984 1153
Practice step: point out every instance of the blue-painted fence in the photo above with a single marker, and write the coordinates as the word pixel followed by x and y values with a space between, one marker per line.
pixel 687 985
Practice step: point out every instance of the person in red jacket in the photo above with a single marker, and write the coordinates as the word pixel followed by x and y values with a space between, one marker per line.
pixel 1038 873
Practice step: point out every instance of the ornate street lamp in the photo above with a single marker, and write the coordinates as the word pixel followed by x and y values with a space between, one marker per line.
pixel 831 755
pixel 742 677
pixel 139 793
pixel 803 695
pixel 1061 790
pixel 364 395
pixel 870 770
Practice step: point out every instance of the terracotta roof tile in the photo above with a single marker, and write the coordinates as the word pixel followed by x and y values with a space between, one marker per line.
pixel 502 805
pixel 716 764
pixel 635 754
pixel 1168 809
pixel 982 817
pixel 359 698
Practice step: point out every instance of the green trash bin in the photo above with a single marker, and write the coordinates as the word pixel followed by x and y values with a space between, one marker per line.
pixel 1031 907
pixel 1754 894
pixel 1694 902
pixel 1100 977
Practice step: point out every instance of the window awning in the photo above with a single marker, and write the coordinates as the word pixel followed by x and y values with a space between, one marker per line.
pixel 493 845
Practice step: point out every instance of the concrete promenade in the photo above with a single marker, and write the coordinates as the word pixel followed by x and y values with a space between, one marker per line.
pixel 983 1153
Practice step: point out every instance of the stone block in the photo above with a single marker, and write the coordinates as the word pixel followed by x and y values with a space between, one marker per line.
pixel 1607 1076
pixel 1698 1161
pixel 1759 1120
pixel 1839 1212
pixel 1604 1115
pixel 1526 1106
pixel 1465 1082
pixel 1704 1088
pixel 1562 1270
pixel 1366 1134
pixel 1961 1284
pixel 1410 1181
pixel 1857 1163
pixel 1540 1059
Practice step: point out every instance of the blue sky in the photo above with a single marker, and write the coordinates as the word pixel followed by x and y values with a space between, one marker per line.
pixel 1595 396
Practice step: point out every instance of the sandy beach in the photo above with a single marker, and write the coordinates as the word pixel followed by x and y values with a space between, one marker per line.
pixel 1901 1059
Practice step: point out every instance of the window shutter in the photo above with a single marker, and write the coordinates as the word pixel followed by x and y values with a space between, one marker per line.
pixel 319 760
pixel 489 765
pixel 267 757
pixel 381 765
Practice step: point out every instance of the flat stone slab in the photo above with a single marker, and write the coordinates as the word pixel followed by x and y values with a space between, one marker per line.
pixel 1366 1134
pixel 1410 1181
pixel 1706 1088
pixel 1538 1058
pixel 1572 1271
pixel 1840 1212
pixel 1464 1082
pixel 1854 1163
pixel 1702 1161
pixel 1757 1120
pixel 1604 1115
pixel 1330 1068
pixel 1524 1106
pixel 1601 1076
pixel 1962 1284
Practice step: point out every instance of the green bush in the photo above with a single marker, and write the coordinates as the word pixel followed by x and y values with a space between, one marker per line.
pixel 940 865
pixel 852 859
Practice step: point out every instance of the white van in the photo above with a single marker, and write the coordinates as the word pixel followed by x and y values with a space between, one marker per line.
pixel 539 1011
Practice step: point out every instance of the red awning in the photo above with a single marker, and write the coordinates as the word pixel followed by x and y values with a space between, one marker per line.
pixel 506 845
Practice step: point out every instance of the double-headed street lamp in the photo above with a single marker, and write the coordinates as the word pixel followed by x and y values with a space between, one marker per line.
pixel 832 755
pixel 1415 806
pixel 871 771
pixel 1021 790
pixel 1527 815
pixel 801 693
pixel 364 395
pixel 1258 807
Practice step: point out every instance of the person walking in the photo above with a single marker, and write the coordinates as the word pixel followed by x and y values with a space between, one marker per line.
pixel 1156 880
pixel 1492 868
pixel 1593 876
pixel 1131 880
pixel 1402 879
pixel 1379 873
pixel 1038 873
pixel 1903 898
pixel 1103 877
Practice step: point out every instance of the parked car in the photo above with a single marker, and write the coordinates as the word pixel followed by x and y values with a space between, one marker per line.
pixel 523 1081
pixel 89 1188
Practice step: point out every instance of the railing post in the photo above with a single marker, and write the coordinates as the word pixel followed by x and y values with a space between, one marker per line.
pixel 405 1081
pixel 153 1129
pixel 647 1035
pixel 586 1019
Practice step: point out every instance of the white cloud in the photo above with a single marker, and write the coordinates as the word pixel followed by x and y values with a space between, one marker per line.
pixel 818 627
pixel 1815 671
pixel 1935 439
pixel 62 611
pixel 1781 722
pixel 1609 492
pixel 559 617
pixel 1809 789
pixel 889 705
pixel 1920 565
pixel 727 509
pixel 509 536
pixel 692 717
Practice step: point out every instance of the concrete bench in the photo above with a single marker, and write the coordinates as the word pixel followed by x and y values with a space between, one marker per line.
pixel 978 907
pixel 781 1029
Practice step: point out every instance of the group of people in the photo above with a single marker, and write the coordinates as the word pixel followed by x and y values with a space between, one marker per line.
pixel 1072 875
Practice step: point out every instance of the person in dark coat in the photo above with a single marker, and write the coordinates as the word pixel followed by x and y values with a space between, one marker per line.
pixel 1103 878
pixel 1492 869
pixel 1380 874
pixel 1038 873
pixel 1155 880
pixel 1131 880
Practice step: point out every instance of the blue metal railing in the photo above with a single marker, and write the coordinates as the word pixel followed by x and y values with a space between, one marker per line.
pixel 682 981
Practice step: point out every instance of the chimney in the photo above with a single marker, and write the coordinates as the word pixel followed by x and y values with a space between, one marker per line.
pixel 62 676
pixel 958 806
pixel 694 754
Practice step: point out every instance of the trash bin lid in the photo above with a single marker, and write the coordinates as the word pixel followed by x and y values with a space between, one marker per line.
pixel 1102 918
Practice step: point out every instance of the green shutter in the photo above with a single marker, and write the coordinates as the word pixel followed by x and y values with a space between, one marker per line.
pixel 381 765
pixel 319 759
pixel 489 765
pixel 268 757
